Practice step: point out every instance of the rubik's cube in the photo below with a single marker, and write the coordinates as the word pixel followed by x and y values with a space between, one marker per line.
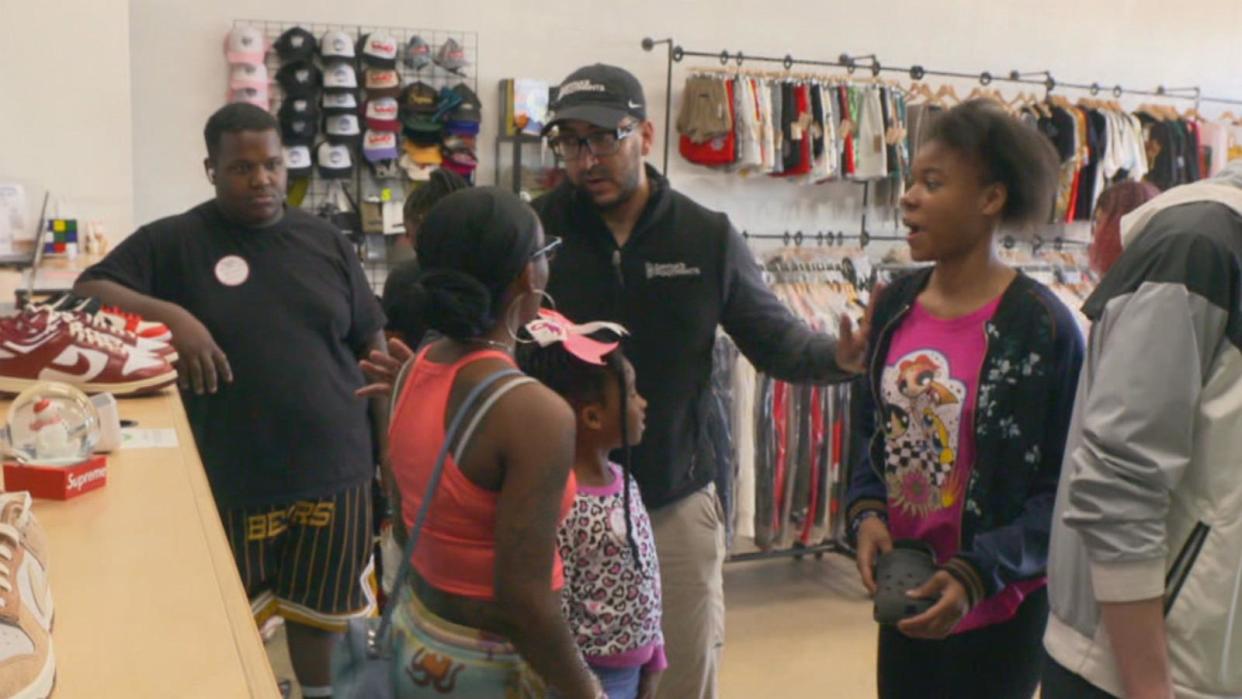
pixel 62 238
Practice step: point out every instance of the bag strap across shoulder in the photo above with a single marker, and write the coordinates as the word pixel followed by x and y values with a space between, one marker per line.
pixel 475 397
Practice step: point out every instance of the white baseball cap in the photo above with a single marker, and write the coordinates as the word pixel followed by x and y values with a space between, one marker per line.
pixel 298 161
pixel 340 76
pixel 378 50
pixel 343 128
pixel 248 75
pixel 257 96
pixel 245 44
pixel 335 161
pixel 336 45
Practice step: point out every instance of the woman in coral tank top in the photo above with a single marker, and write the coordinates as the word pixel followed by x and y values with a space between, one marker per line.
pixel 480 615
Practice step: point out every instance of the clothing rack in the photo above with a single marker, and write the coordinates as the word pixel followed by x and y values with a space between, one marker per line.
pixel 796 552
pixel 839 238
pixel 676 53
pixel 823 238
pixel 1037 243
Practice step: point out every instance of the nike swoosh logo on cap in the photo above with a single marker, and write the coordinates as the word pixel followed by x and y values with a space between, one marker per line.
pixel 635 106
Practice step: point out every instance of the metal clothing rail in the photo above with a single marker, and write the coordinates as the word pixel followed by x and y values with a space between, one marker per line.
pixel 822 238
pixel 676 53
pixel 796 552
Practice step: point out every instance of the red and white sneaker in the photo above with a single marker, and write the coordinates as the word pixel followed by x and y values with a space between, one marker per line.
pixel 43 347
pixel 97 321
pixel 135 323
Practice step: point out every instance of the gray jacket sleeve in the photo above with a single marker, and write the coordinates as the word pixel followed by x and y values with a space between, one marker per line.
pixel 768 333
pixel 1154 348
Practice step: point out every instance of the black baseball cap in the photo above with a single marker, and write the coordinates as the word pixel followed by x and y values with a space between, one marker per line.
pixel 599 94
pixel 300 79
pixel 297 44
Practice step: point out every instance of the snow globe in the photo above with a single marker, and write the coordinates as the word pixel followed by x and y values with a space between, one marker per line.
pixel 52 424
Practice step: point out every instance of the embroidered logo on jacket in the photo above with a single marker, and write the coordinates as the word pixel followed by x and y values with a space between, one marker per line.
pixel 672 270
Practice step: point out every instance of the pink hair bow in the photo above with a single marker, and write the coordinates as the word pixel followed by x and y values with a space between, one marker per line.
pixel 552 327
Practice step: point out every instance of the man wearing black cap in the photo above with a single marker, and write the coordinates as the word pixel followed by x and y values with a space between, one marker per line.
pixel 671 271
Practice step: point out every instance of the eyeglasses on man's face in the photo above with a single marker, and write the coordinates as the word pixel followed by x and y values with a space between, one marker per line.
pixel 569 146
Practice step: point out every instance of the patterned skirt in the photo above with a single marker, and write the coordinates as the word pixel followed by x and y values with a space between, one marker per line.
pixel 437 658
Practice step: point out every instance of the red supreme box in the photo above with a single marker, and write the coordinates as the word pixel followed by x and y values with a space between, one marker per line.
pixel 57 483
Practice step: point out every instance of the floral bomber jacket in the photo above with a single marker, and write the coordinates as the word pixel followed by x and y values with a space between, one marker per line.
pixel 1022 416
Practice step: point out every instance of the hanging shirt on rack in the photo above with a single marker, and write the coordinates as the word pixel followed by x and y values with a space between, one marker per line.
pixel 718 151
pixel 1215 139
pixel 831 161
pixel 744 385
pixel 778 130
pixel 1162 151
pixel 872 160
pixel 848 129
pixel 1097 144
pixel 704 114
pixel 749 131
pixel 763 95
pixel 918 117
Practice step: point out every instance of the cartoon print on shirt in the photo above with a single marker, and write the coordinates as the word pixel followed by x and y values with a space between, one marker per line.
pixel 924 412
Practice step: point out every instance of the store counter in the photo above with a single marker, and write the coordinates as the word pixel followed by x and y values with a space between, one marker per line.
pixel 148 601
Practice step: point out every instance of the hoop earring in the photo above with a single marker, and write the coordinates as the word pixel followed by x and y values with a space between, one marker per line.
pixel 511 324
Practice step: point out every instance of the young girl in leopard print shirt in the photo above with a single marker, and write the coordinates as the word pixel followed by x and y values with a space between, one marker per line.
pixel 612 576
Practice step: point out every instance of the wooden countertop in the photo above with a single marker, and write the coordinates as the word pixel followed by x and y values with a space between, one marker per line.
pixel 148 601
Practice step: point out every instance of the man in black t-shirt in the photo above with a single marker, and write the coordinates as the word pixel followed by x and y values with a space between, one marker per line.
pixel 269 311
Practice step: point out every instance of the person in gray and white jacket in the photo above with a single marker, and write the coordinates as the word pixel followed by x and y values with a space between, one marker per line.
pixel 1146 564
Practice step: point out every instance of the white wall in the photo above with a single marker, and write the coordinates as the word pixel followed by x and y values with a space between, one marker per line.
pixel 65 121
pixel 178 70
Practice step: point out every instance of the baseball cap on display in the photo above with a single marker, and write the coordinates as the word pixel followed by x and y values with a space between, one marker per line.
pixel 301 78
pixel 298 130
pixel 451 56
pixel 417 53
pixel 299 108
pixel 297 44
pixel 463 158
pixel 419 98
pixel 466 171
pixel 382 82
pixel 378 146
pixel 448 100
pixel 341 102
pixel 298 161
pixel 452 143
pixel 248 75
pixel 462 128
pixel 245 45
pixel 469 109
pixel 421 138
pixel 415 171
pixel 382 115
pixel 424 154
pixel 335 161
pixel 251 95
pixel 422 127
pixel 343 129
pixel 378 50
pixel 340 76
pixel 336 45
pixel 601 95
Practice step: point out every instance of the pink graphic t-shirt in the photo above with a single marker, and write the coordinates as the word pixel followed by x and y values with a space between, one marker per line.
pixel 929 386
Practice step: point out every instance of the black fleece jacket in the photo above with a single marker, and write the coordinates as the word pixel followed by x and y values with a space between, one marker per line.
pixel 683 272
